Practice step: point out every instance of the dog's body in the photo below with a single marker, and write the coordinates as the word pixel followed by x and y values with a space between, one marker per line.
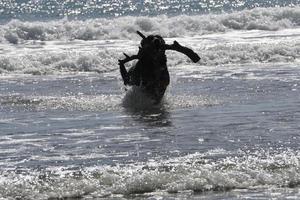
pixel 151 72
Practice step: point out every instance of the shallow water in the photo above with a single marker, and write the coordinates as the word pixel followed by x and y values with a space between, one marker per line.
pixel 219 135
pixel 228 127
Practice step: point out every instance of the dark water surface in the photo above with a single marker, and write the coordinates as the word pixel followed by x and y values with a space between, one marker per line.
pixel 219 133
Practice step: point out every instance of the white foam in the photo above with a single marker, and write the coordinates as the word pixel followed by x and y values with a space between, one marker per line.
pixel 217 170
pixel 190 101
pixel 95 45
pixel 237 47
pixel 84 103
pixel 124 27
pixel 58 61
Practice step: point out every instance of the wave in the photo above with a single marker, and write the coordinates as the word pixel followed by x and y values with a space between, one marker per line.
pixel 251 53
pixel 216 170
pixel 103 61
pixel 270 19
pixel 95 45
pixel 48 63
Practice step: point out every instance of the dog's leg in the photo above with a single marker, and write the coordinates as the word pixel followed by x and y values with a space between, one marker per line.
pixel 124 74
pixel 123 71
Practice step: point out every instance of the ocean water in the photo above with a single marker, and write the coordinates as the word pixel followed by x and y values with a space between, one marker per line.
pixel 227 128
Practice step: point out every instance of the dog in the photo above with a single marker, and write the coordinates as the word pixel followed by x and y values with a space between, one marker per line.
pixel 151 72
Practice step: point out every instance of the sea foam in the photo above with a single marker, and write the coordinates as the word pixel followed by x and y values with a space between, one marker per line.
pixel 94 45
pixel 194 173
pixel 124 27
pixel 102 61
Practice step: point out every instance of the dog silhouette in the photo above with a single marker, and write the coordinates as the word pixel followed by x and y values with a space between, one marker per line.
pixel 150 72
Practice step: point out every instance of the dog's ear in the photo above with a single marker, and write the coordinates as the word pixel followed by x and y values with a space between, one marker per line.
pixel 141 34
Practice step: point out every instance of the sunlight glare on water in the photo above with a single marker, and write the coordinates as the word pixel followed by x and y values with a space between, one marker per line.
pixel 227 127
pixel 95 8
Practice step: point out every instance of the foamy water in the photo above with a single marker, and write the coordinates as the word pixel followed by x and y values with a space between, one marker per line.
pixel 196 173
pixel 17 31
pixel 234 47
pixel 227 127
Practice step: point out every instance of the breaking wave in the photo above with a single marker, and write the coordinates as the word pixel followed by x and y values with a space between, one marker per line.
pixel 45 63
pixel 95 45
pixel 101 61
pixel 270 19
pixel 216 170
pixel 250 53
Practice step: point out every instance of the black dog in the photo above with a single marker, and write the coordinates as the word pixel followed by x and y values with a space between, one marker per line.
pixel 151 72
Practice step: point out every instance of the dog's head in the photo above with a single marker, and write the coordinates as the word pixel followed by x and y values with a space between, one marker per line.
pixel 154 41
pixel 153 45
